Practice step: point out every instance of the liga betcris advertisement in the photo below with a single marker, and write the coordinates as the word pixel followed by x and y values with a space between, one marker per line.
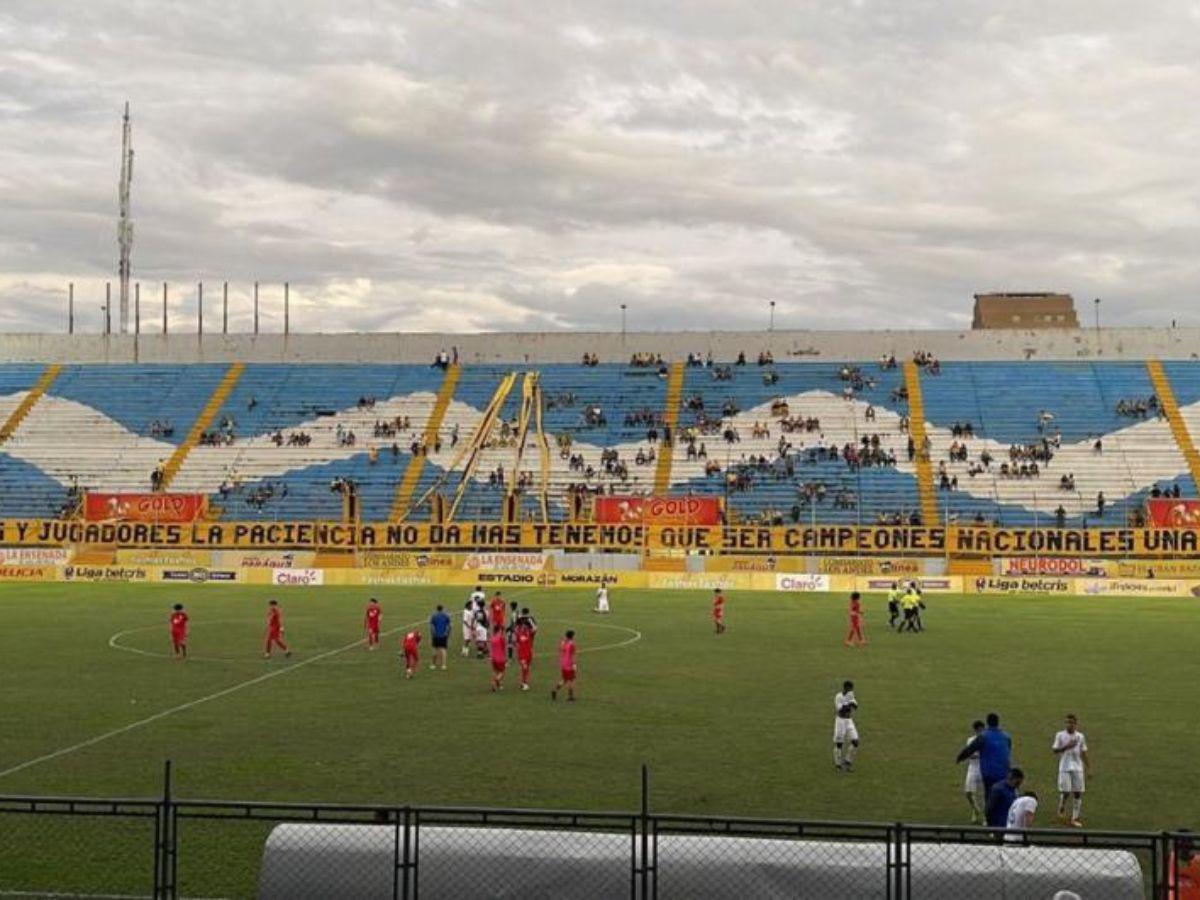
pixel 658 510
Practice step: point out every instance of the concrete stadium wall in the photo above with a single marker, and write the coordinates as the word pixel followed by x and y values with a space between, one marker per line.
pixel 545 347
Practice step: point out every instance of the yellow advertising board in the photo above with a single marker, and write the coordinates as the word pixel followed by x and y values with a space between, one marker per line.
pixel 1140 587
pixel 870 565
pixel 842 540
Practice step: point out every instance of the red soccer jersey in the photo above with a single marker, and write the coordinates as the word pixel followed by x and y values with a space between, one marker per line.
pixel 373 614
pixel 524 635
pixel 179 621
pixel 855 609
pixel 411 640
pixel 718 606
pixel 275 620
pixel 566 655
pixel 497 606
pixel 499 648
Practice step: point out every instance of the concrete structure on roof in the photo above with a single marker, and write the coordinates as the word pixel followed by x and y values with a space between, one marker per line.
pixel 1024 312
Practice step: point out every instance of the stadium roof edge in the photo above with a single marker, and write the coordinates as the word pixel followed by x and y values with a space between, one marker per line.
pixel 560 346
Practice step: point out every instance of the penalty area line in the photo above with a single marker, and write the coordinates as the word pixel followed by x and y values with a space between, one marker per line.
pixel 182 707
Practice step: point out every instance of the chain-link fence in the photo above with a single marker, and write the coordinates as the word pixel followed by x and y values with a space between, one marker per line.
pixel 168 849
pixel 51 846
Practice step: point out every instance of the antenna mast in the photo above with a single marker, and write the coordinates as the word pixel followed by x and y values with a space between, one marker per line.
pixel 124 223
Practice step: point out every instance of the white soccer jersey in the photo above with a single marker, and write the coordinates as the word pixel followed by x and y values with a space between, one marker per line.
pixel 602 598
pixel 1070 760
pixel 841 700
pixel 973 774
pixel 478 597
pixel 1021 809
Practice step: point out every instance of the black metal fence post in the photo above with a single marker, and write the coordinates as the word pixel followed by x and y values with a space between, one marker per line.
pixel 407 890
pixel 165 846
pixel 645 829
pixel 902 884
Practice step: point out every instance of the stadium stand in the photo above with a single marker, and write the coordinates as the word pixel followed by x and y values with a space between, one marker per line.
pixel 1015 442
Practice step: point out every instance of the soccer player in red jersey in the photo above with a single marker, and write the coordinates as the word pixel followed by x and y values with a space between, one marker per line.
pixel 411 641
pixel 566 667
pixel 499 657
pixel 274 630
pixel 371 623
pixel 718 612
pixel 496 617
pixel 854 637
pixel 179 632
pixel 523 635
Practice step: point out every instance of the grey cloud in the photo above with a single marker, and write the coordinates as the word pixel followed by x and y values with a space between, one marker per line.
pixel 535 164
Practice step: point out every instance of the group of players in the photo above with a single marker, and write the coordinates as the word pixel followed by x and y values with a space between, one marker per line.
pixel 502 631
pixel 990 773
pixel 493 629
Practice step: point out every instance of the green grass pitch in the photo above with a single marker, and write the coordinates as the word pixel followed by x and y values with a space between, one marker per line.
pixel 736 724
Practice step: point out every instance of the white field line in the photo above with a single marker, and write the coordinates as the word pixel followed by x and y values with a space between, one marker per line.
pixel 182 707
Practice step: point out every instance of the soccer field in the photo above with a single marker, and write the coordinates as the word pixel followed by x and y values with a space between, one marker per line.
pixel 737 724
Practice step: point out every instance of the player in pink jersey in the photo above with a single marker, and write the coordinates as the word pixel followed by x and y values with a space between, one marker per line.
pixel 499 647
pixel 566 666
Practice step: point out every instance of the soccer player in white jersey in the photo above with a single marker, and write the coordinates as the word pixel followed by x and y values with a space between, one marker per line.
pixel 1020 816
pixel 474 603
pixel 845 732
pixel 1070 746
pixel 602 597
pixel 973 785
pixel 468 628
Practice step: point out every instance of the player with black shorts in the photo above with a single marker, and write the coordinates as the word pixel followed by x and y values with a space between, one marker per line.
pixel 439 637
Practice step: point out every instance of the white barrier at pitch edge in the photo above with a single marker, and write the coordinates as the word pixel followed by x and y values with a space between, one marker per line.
pixel 331 862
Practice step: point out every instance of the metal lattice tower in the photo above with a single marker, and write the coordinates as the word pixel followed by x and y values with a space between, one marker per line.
pixel 125 223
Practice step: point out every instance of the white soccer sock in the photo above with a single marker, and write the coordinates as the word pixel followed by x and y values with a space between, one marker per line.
pixel 1076 807
pixel 851 751
pixel 837 755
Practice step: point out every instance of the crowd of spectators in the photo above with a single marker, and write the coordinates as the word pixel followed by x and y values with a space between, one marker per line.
pixel 1139 407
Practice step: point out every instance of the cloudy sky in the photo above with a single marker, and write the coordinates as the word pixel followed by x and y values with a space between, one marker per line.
pixel 521 164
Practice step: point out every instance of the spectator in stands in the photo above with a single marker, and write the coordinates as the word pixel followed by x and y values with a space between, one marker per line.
pixel 1100 503
pixel 1060 517
pixel 741 358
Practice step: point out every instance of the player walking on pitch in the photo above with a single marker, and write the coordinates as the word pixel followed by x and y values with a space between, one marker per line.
pixel 468 627
pixel 371 623
pixel 566 667
pixel 973 784
pixel 854 637
pixel 718 611
pixel 439 637
pixel 499 658
pixel 410 644
pixel 602 597
pixel 274 630
pixel 179 632
pixel 523 631
pixel 845 732
pixel 1070 746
